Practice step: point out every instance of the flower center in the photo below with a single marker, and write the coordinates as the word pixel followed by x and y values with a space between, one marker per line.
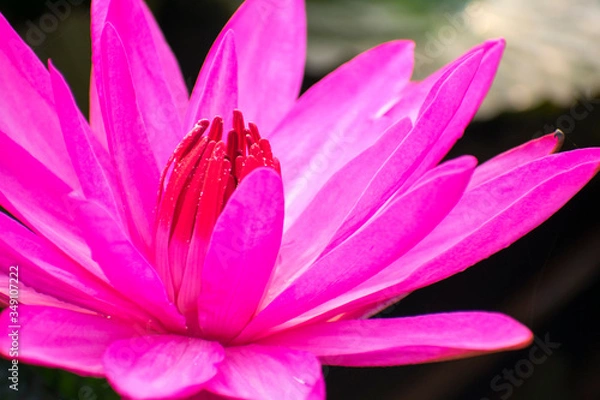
pixel 199 178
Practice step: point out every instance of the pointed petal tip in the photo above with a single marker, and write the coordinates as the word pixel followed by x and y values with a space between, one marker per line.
pixel 559 136
pixel 497 42
pixel 495 46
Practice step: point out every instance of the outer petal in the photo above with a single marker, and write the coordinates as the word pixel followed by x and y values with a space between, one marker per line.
pixel 126 269
pixel 271 49
pixel 36 196
pixel 49 271
pixel 95 183
pixel 488 218
pixel 328 209
pixel 516 157
pixel 159 107
pixel 163 366
pixel 172 73
pixel 337 119
pixel 27 295
pixel 413 340
pixel 129 139
pixel 27 113
pixel 511 204
pixel 399 164
pixel 394 231
pixel 491 53
pixel 406 163
pixel 66 339
pixel 268 373
pixel 241 256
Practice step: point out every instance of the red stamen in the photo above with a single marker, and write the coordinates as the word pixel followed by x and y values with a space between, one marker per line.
pixel 216 129
pixel 195 185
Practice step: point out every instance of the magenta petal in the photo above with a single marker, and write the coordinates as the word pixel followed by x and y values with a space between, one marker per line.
pixel 76 132
pixel 405 164
pixel 488 218
pixel 268 373
pixel 516 157
pixel 220 94
pixel 37 197
pixel 163 53
pixel 150 81
pixel 496 213
pixel 47 270
pixel 396 229
pixel 271 48
pixel 161 366
pixel 125 267
pixel 327 210
pixel 27 112
pixel 337 119
pixel 491 53
pixel 241 255
pixel 398 341
pixel 480 85
pixel 28 295
pixel 66 339
pixel 128 139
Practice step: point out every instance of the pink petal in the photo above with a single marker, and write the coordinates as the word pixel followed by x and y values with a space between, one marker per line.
pixel 268 373
pixel 27 295
pixel 397 167
pixel 488 218
pixel 50 272
pixel 493 50
pixel 491 53
pixel 27 113
pixel 125 267
pixel 412 102
pixel 129 139
pixel 36 196
pixel 516 157
pixel 162 366
pixel 77 135
pixel 219 95
pixel 271 48
pixel 337 119
pixel 327 210
pixel 241 256
pixel 96 122
pixel 390 234
pixel 412 340
pixel 405 164
pixel 496 213
pixel 159 107
pixel 66 339
pixel 170 66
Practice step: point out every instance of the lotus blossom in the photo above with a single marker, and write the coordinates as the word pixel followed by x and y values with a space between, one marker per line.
pixel 181 251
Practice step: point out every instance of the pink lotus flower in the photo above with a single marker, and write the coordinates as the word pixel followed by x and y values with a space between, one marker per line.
pixel 204 290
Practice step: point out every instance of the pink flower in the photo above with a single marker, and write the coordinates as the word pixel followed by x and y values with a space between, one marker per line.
pixel 203 289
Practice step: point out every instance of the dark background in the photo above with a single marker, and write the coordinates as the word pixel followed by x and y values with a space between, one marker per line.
pixel 549 280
